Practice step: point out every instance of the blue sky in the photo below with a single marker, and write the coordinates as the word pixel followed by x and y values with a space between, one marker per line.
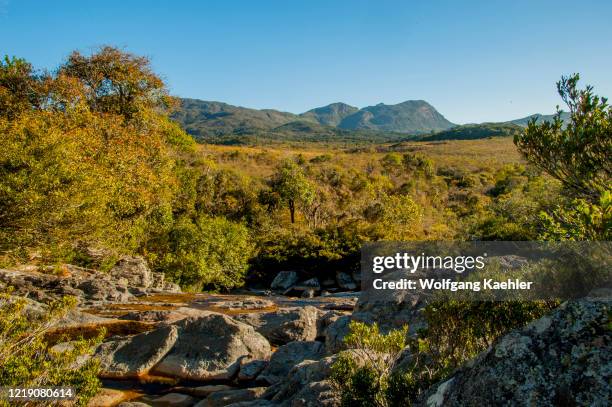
pixel 473 60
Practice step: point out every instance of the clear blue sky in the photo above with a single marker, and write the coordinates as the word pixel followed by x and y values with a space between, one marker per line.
pixel 473 60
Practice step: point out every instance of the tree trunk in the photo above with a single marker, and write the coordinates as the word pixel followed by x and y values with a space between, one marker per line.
pixel 292 211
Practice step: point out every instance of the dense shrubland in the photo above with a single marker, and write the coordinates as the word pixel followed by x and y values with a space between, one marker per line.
pixel 90 158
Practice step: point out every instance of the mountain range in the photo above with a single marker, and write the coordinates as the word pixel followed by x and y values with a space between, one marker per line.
pixel 210 121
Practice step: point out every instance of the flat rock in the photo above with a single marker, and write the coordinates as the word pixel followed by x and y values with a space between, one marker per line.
pixel 210 347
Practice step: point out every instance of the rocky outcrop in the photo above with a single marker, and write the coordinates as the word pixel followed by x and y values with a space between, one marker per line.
pixel 134 270
pixel 564 358
pixel 305 384
pixel 285 325
pixel 134 356
pixel 131 276
pixel 289 355
pixel 210 347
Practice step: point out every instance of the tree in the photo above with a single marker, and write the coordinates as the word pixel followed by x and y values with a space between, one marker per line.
pixel 117 82
pixel 291 184
pixel 578 154
pixel 19 87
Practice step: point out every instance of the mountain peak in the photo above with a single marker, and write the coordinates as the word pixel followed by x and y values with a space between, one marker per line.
pixel 330 115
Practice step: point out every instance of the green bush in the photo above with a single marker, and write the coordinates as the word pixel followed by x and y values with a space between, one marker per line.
pixel 27 360
pixel 205 253
pixel 361 374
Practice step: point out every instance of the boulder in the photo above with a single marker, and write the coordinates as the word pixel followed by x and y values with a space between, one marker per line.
pixel 312 283
pixel 295 382
pixel 289 355
pixel 316 394
pixel 229 397
pixel 345 281
pixel 251 369
pixel 325 319
pixel 285 325
pixel 134 269
pixel 284 280
pixel 210 347
pixel 174 400
pixel 564 358
pixel 134 356
pixel 335 333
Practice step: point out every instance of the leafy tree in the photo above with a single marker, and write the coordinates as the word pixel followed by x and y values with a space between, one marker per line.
pixel 207 252
pixel 19 87
pixel 578 155
pixel 291 184
pixel 117 82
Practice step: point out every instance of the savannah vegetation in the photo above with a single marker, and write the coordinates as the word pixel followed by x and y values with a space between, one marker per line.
pixel 91 157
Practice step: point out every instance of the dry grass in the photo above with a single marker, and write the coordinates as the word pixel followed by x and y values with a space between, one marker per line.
pixel 469 155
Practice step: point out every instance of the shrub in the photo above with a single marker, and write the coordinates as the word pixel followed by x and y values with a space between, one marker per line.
pixel 361 374
pixel 207 252
pixel 27 360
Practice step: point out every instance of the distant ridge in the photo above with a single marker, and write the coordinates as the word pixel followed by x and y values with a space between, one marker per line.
pixel 207 120
pixel 565 116
pixel 219 122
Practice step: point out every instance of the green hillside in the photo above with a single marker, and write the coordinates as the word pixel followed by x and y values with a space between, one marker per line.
pixel 475 131
pixel 565 116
